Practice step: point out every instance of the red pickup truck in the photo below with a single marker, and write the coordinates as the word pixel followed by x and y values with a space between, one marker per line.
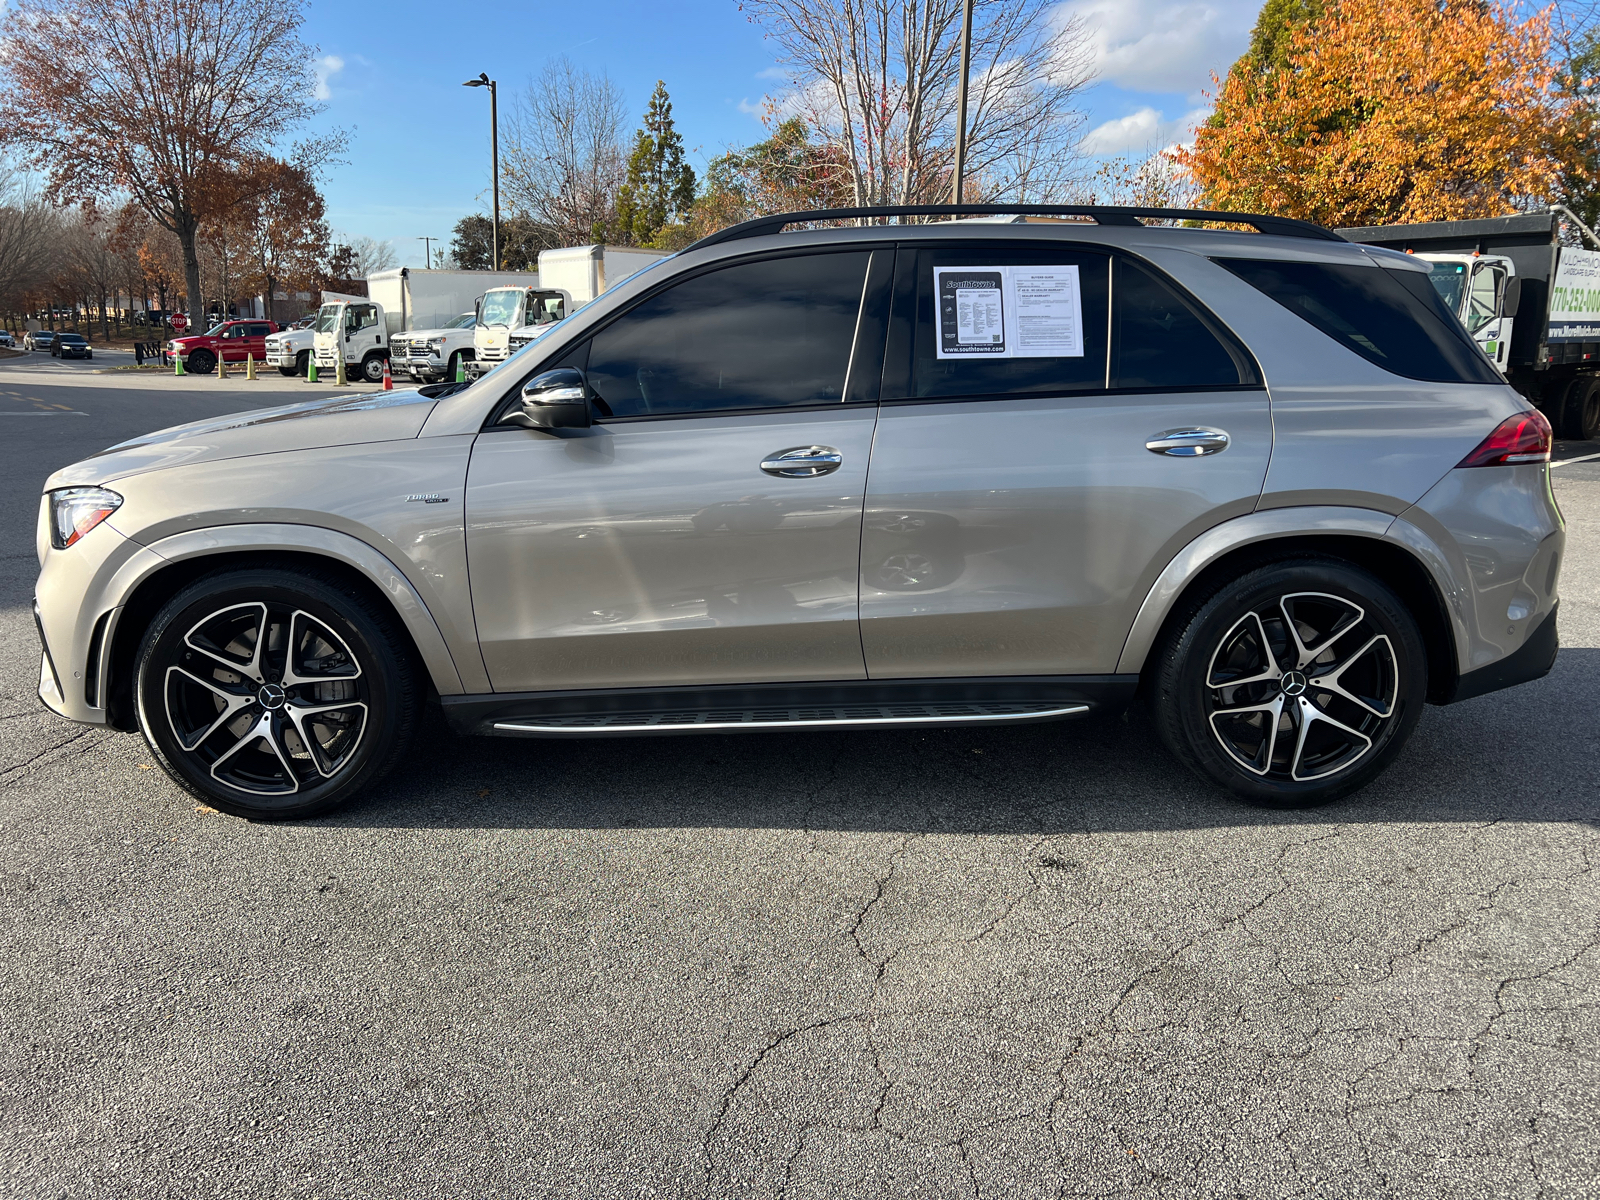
pixel 232 341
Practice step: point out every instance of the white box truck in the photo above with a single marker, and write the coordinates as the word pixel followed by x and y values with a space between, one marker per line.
pixel 569 277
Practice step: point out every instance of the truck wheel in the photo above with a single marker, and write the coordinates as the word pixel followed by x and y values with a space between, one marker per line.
pixel 201 362
pixel 1579 418
pixel 452 368
pixel 372 368
pixel 287 371
pixel 302 363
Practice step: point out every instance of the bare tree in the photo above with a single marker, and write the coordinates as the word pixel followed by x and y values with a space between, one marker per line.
pixel 877 79
pixel 160 100
pixel 28 239
pixel 562 158
pixel 368 254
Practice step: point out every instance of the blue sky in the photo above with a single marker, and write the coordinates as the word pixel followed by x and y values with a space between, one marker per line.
pixel 419 141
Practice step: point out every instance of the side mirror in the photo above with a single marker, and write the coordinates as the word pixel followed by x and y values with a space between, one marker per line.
pixel 1513 297
pixel 556 399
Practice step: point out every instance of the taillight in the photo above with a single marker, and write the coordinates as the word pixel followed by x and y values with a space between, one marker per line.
pixel 1524 438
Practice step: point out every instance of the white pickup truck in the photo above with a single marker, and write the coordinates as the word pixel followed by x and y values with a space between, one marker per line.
pixel 431 355
pixel 290 348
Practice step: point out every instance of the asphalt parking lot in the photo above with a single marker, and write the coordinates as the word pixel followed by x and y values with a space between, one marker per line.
pixel 1024 962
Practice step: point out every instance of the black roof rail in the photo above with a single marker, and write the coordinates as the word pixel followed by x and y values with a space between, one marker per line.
pixel 1102 214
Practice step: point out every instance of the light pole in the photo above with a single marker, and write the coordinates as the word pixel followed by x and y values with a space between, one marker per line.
pixel 483 80
pixel 961 99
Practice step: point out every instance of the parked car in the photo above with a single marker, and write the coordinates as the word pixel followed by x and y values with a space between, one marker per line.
pixel 231 341
pixel 71 345
pixel 39 339
pixel 6 339
pixel 660 518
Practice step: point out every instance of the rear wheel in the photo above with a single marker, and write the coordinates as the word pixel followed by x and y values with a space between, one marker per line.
pixel 1294 685
pixel 1579 417
pixel 275 694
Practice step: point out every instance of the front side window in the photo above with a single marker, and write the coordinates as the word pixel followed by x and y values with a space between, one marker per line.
pixel 1389 317
pixel 770 333
pixel 1009 321
pixel 1483 301
pixel 1161 340
pixel 544 308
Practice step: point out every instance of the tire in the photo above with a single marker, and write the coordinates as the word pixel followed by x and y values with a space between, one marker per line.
pixel 302 364
pixel 1578 419
pixel 201 362
pixel 287 372
pixel 1363 692
pixel 452 368
pixel 372 368
pixel 276 739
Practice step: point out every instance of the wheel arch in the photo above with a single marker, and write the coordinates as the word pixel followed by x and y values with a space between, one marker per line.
pixel 1354 536
pixel 186 557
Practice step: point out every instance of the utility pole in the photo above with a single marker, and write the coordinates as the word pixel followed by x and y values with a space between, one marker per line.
pixel 483 80
pixel 427 250
pixel 961 100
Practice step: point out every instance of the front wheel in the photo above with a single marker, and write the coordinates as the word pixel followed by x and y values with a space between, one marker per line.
pixel 201 362
pixel 275 694
pixel 372 368
pixel 302 364
pixel 1293 685
pixel 287 372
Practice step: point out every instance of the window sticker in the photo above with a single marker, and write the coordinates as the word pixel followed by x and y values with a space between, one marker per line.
pixel 1009 312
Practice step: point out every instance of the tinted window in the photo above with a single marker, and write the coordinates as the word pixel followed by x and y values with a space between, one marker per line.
pixel 1392 318
pixel 257 331
pixel 762 334
pixel 1160 340
pixel 992 376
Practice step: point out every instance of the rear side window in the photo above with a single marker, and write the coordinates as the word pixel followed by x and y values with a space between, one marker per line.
pixel 1392 318
pixel 1042 312
pixel 1159 340
pixel 762 334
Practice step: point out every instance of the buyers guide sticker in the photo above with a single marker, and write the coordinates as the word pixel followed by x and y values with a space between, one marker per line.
pixel 1009 312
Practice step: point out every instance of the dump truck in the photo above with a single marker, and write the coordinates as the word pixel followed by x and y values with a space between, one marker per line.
pixel 1528 298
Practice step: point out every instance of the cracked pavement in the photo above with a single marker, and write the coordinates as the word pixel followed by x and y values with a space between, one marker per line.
pixel 1015 963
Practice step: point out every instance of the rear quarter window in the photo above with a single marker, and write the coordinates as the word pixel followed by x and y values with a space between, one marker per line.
pixel 1394 319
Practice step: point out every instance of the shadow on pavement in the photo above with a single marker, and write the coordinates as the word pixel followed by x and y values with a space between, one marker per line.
pixel 1527 754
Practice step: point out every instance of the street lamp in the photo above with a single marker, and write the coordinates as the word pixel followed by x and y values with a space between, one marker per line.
pixel 961 99
pixel 483 80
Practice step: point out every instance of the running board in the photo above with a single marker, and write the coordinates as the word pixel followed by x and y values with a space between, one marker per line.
pixel 831 704
pixel 851 716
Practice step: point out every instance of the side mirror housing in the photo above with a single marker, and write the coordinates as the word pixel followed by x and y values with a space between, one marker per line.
pixel 1513 297
pixel 556 399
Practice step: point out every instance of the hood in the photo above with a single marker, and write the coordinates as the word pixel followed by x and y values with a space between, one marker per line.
pixel 289 335
pixel 331 421
pixel 425 334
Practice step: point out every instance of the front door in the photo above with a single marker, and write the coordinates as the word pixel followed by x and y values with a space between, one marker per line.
pixel 672 542
pixel 1030 476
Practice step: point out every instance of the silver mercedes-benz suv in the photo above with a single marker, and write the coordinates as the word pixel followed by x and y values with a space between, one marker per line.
pixel 875 474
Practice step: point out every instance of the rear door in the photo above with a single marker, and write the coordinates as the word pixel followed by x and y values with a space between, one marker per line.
pixel 672 542
pixel 1056 424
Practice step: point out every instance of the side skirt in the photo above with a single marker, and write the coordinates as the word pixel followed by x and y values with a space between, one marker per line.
pixel 838 704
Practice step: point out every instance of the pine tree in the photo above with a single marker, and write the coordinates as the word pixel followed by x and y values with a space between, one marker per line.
pixel 659 189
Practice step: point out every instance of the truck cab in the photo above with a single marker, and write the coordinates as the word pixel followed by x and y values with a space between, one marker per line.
pixel 1482 290
pixel 511 317
pixel 357 331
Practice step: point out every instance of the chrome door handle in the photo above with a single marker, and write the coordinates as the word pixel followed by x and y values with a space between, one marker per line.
pixel 1188 443
pixel 803 462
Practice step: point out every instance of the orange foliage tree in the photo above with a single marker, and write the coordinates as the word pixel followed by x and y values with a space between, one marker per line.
pixel 1389 111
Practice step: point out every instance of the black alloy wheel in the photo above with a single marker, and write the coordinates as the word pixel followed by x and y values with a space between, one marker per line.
pixel 1294 685
pixel 275 694
pixel 201 362
pixel 302 364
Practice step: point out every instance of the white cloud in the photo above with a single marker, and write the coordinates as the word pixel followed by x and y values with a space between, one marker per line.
pixel 1164 45
pixel 780 73
pixel 325 68
pixel 750 110
pixel 1142 131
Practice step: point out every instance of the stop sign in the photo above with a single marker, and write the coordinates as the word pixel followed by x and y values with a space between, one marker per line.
pixel 178 321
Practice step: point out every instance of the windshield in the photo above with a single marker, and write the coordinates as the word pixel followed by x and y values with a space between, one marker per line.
pixel 500 307
pixel 328 318
pixel 464 321
pixel 217 329
pixel 1449 279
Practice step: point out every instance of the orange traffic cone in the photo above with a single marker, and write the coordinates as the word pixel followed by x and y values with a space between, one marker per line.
pixel 388 380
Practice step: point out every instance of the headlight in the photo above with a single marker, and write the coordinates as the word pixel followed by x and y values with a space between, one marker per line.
pixel 75 511
pixel 439 341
